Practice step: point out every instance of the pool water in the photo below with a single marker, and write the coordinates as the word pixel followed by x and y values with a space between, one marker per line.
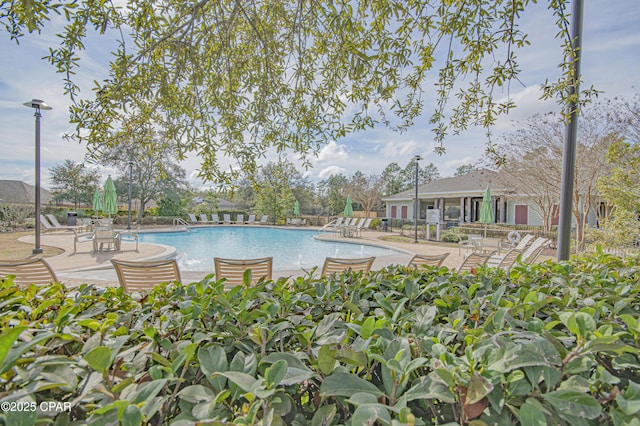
pixel 291 248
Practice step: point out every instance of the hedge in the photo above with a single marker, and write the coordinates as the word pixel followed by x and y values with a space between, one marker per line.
pixel 555 343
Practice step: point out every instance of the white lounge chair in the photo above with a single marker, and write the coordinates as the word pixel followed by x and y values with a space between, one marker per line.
pixel 204 218
pixel 193 219
pixel 227 218
pixel 263 219
pixel 215 219
pixel 252 219
pixel 56 224
pixel 240 219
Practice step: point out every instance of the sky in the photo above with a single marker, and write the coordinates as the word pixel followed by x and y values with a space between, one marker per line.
pixel 610 63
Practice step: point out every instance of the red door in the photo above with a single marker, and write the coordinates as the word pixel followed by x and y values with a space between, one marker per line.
pixel 404 212
pixel 522 214
pixel 394 212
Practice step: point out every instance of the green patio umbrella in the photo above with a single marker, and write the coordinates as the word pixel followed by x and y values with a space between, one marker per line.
pixel 97 201
pixel 348 208
pixel 110 198
pixel 486 211
pixel 296 208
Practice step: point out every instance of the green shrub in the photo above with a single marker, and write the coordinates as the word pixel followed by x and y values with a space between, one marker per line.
pixel 451 237
pixel 555 343
pixel 375 223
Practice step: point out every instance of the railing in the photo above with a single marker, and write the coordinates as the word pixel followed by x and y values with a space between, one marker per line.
pixel 178 221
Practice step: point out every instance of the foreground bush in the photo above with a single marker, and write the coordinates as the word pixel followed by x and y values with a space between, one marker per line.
pixel 549 344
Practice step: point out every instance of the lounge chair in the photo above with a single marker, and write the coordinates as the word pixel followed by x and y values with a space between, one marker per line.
pixel 204 219
pixel 240 219
pixel 193 219
pixel 334 265
pixel 363 224
pixel 106 240
pixel 227 218
pixel 534 251
pixel 215 218
pixel 56 224
pixel 263 219
pixel 506 261
pixel 139 276
pixel 252 219
pixel 521 246
pixel 232 270
pixel 427 260
pixel 472 260
pixel 30 271
pixel 46 223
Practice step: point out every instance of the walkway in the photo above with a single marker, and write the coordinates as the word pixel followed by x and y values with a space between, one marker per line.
pixel 95 268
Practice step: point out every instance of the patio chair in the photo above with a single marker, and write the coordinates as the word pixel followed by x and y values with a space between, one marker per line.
pixel 263 219
pixel 106 238
pixel 81 237
pixel 427 260
pixel 334 265
pixel 204 219
pixel 144 275
pixel 363 224
pixel 215 218
pixel 472 242
pixel 193 219
pixel 252 219
pixel 337 225
pixel 129 236
pixel 240 219
pixel 232 270
pixel 473 260
pixel 522 244
pixel 29 271
pixel 227 218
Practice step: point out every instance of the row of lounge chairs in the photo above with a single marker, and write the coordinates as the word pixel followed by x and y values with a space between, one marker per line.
pixel 350 226
pixel 143 275
pixel 226 219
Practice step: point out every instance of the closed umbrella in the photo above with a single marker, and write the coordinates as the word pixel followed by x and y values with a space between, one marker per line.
pixel 296 208
pixel 486 211
pixel 110 198
pixel 348 208
pixel 97 201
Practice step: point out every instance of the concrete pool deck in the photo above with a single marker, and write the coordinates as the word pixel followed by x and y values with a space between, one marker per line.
pixel 95 268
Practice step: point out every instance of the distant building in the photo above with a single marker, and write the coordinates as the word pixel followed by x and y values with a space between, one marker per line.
pixel 459 199
pixel 18 192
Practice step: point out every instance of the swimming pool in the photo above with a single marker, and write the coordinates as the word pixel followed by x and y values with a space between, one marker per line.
pixel 291 248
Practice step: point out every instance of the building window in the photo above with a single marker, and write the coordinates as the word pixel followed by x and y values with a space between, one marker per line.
pixel 394 212
pixel 404 212
pixel 522 214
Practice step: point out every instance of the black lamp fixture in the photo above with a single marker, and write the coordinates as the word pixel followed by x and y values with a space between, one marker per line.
pixel 39 105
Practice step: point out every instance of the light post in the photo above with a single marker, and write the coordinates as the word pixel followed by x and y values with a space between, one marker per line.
pixel 38 105
pixel 416 207
pixel 130 192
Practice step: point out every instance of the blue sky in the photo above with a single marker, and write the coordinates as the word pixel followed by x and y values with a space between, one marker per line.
pixel 611 63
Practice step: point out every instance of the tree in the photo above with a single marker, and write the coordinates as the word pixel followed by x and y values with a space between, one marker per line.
pixel 534 162
pixel 273 189
pixel 237 78
pixel 392 179
pixel 464 169
pixel 74 182
pixel 365 190
pixel 426 174
pixel 155 173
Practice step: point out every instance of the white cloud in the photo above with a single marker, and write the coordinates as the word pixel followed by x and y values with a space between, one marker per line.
pixel 399 148
pixel 333 152
pixel 330 171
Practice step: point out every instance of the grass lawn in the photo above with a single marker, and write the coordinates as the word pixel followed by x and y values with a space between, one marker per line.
pixel 11 248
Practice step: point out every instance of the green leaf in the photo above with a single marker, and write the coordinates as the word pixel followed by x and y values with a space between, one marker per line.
pixel 531 414
pixel 244 381
pixel 7 338
pixel 197 393
pixel 131 416
pixel 349 356
pixel 367 328
pixel 99 358
pixel 324 415
pixel 574 403
pixel 326 359
pixel 342 384
pixel 479 387
pixel 212 360
pixel 274 374
pixel 371 414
